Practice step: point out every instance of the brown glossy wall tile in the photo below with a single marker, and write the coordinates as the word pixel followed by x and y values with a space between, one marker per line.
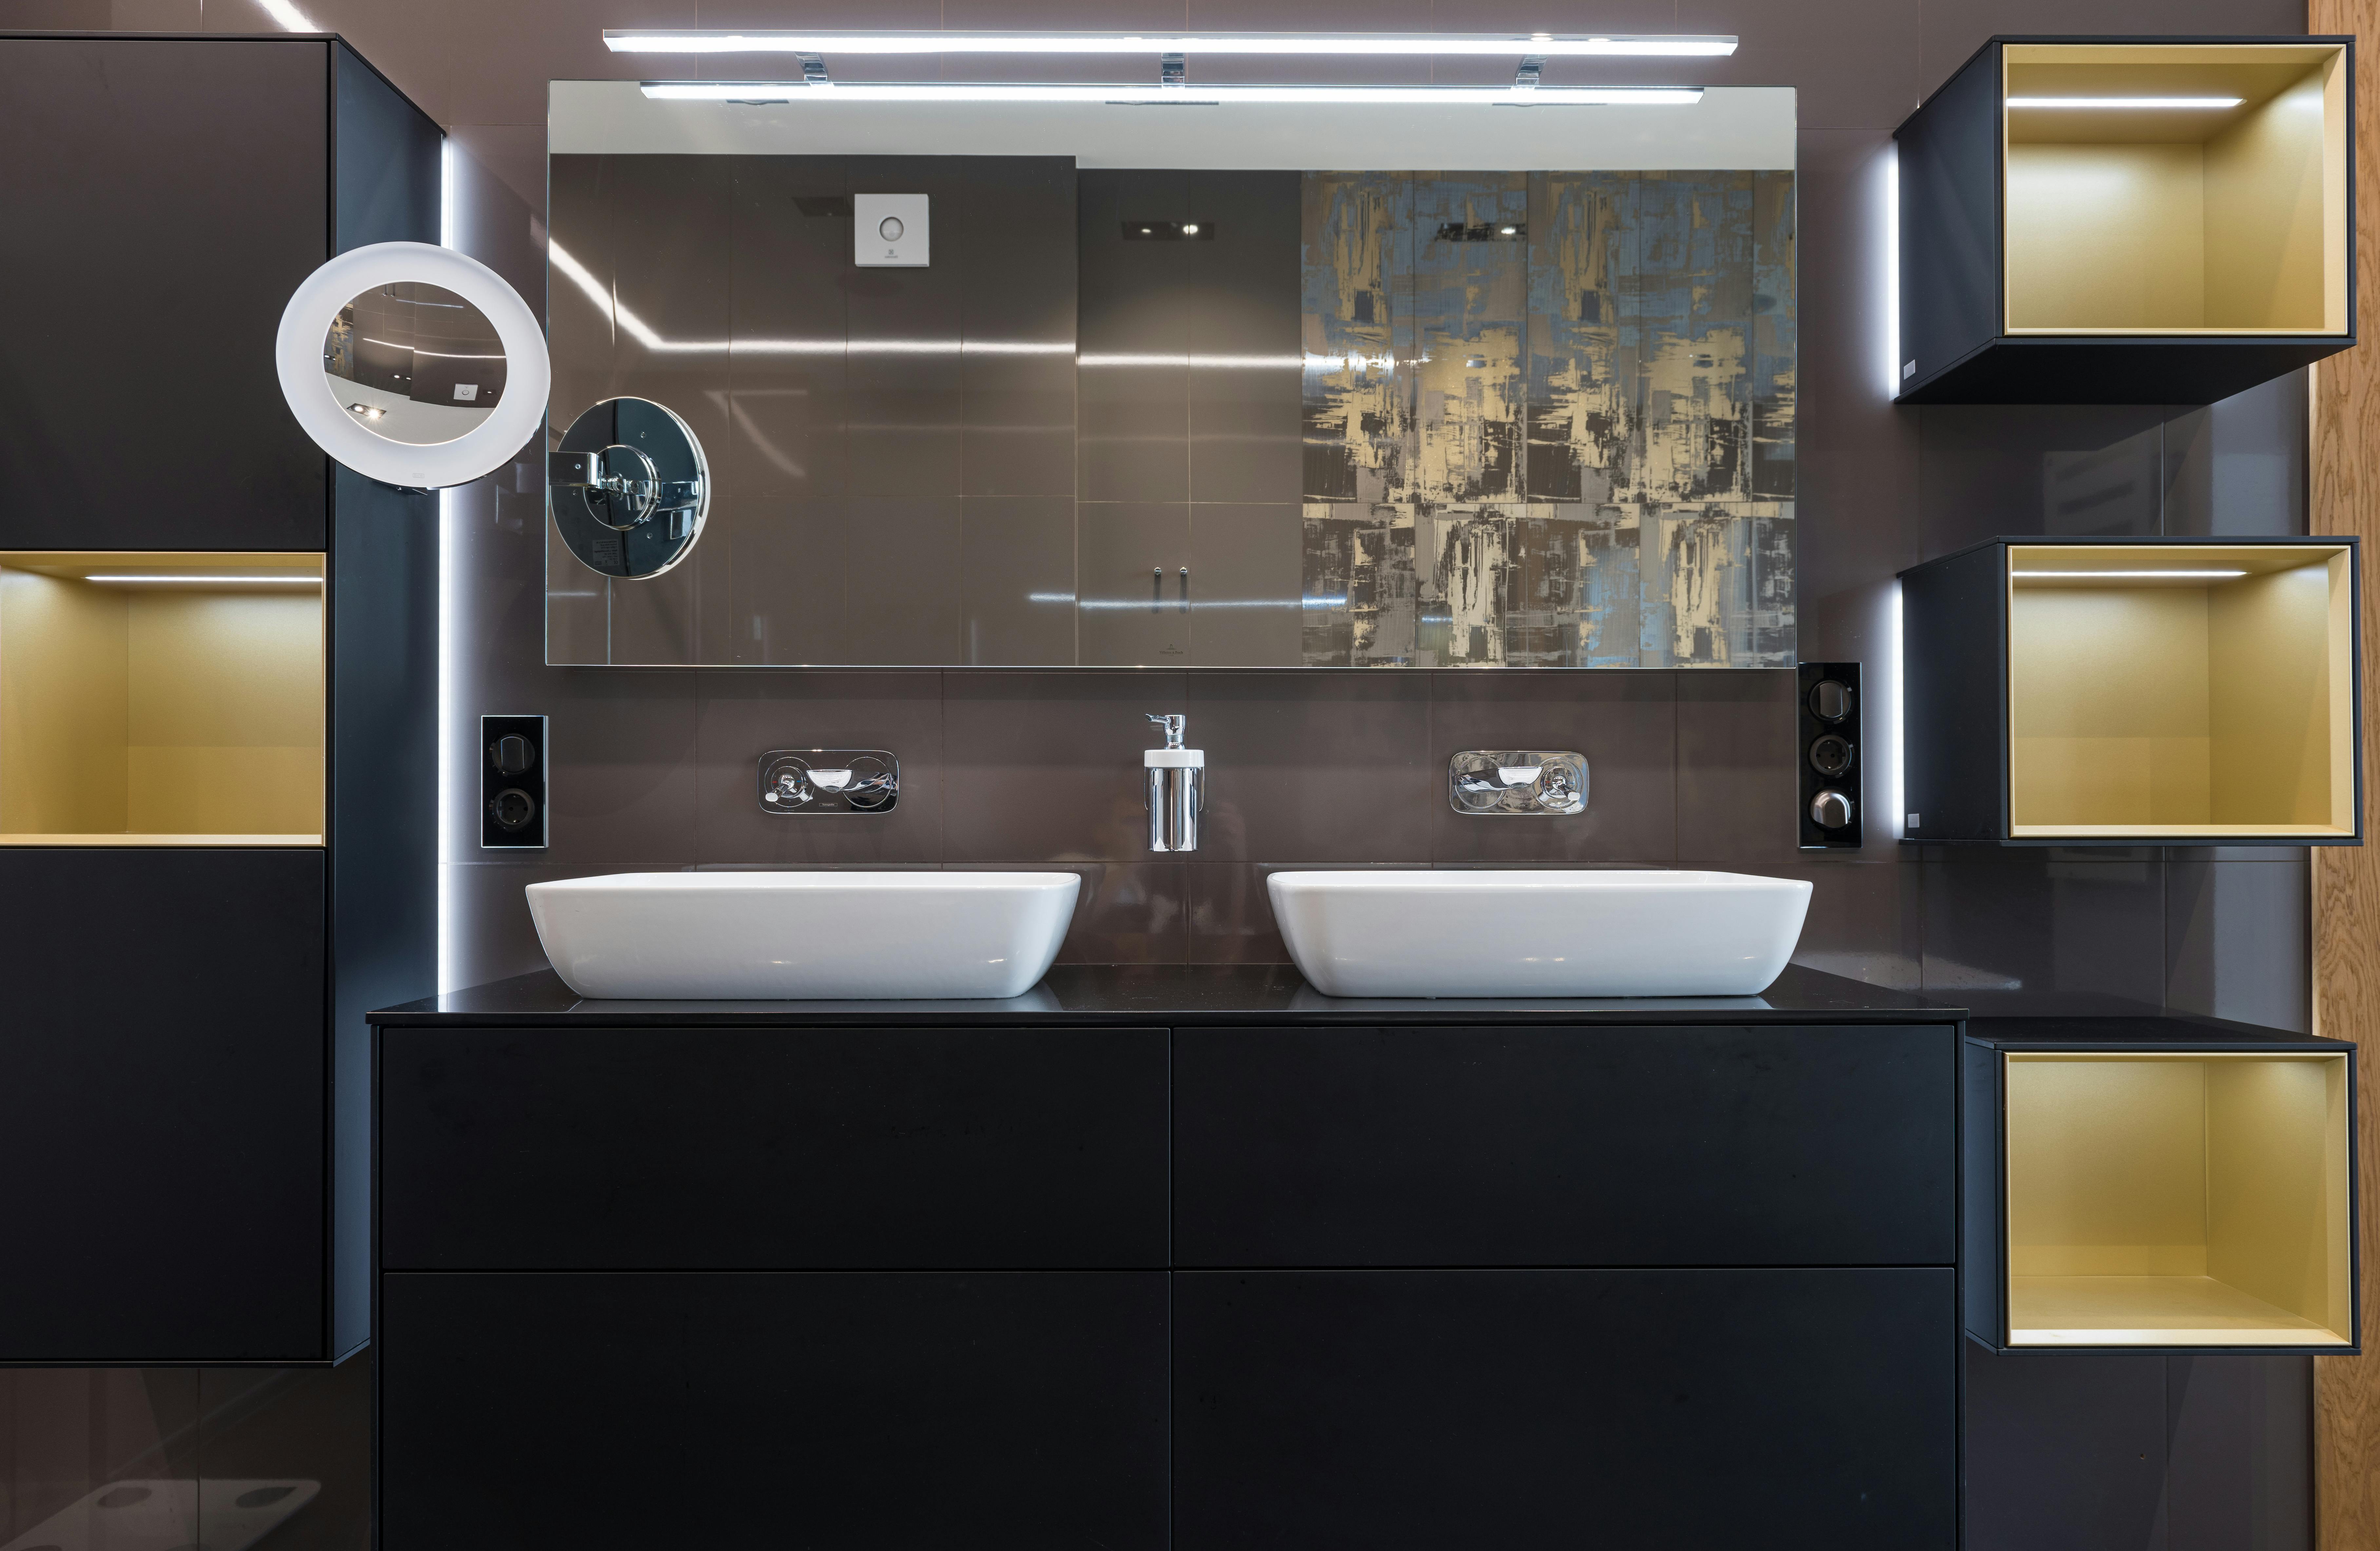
pixel 1128 564
pixel 900 581
pixel 1133 416
pixel 1046 767
pixel 622 748
pixel 1738 783
pixel 1017 278
pixel 2235 937
pixel 1626 725
pixel 784 385
pixel 2044 931
pixel 1242 293
pixel 1314 766
pixel 745 714
pixel 1246 592
pixel 790 561
pixel 1016 581
pixel 906 417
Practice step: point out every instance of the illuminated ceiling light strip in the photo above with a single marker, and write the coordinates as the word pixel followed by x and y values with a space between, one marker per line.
pixel 286 17
pixel 2109 575
pixel 1549 45
pixel 217 581
pixel 416 349
pixel 2124 102
pixel 773 91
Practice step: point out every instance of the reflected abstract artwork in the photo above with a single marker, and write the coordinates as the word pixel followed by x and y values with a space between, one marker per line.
pixel 1549 418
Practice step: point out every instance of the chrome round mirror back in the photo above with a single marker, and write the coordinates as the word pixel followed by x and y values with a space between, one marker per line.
pixel 629 488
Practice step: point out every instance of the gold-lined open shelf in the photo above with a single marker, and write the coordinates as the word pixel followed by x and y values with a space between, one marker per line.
pixel 2177 1198
pixel 2147 702
pixel 2176 220
pixel 175 701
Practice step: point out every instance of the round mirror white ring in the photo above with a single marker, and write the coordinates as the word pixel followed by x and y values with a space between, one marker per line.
pixel 298 354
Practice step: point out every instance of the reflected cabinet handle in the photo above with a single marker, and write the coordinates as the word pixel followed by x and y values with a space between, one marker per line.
pixel 1185 589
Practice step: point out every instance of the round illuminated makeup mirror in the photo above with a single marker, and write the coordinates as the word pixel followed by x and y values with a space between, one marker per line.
pixel 413 365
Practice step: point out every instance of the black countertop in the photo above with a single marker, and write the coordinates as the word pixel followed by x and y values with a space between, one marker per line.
pixel 1180 994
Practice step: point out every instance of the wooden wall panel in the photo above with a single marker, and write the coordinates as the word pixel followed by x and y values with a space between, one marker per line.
pixel 2345 498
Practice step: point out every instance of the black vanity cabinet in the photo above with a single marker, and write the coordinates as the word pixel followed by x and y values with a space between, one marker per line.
pixel 1179 1258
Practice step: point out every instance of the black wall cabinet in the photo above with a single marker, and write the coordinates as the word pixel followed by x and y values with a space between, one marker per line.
pixel 2058 249
pixel 166 195
pixel 162 1084
pixel 2073 691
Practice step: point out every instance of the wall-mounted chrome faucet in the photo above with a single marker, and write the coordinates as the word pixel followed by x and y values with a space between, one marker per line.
pixel 829 781
pixel 1177 789
pixel 1520 783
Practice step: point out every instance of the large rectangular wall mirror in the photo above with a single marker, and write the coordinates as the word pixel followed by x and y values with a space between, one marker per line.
pixel 1285 384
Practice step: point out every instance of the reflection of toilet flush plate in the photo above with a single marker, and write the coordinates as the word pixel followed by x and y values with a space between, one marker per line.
pixel 889 230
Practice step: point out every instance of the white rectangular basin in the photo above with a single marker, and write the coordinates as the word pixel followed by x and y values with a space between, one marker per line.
pixel 804 936
pixel 1539 934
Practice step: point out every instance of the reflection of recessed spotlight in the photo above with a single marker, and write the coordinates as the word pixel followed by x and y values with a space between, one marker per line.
pixel 1510 230
pixel 1190 230
pixel 369 411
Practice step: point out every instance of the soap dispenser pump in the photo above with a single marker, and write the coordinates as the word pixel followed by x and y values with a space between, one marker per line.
pixel 1177 789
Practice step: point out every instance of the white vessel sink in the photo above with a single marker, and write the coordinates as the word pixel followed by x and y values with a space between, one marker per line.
pixel 767 935
pixel 1539 934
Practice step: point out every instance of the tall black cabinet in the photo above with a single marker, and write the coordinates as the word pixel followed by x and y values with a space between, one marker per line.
pixel 184 1068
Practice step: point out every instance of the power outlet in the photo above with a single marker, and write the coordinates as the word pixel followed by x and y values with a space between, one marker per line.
pixel 1828 748
pixel 512 783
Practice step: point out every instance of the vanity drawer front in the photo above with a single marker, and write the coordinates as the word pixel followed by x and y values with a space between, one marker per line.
pixel 1377 1411
pixel 900 1411
pixel 1554 1146
pixel 772 1148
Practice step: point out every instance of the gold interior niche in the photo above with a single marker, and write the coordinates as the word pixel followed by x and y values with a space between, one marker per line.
pixel 161 712
pixel 2177 221
pixel 2165 707
pixel 2180 1199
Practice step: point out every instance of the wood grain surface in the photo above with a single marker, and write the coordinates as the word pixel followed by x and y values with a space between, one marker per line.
pixel 2345 498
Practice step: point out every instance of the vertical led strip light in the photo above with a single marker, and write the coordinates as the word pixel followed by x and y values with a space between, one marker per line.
pixel 445 618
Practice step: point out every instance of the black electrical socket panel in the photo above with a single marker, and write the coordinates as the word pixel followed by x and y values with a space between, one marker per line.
pixel 1830 750
pixel 512 783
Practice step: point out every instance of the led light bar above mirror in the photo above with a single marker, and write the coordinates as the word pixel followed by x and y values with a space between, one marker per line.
pixel 1330 44
pixel 825 92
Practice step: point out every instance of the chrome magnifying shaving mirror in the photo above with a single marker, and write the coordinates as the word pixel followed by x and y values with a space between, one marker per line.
pixel 630 488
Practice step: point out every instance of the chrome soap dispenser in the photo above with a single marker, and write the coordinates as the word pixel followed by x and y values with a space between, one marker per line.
pixel 1177 789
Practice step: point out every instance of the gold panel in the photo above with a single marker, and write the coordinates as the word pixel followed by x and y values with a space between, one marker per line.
pixel 2172 706
pixel 2177 221
pixel 161 713
pixel 2177 1198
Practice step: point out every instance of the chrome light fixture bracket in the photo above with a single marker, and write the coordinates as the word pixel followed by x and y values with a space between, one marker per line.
pixel 1517 783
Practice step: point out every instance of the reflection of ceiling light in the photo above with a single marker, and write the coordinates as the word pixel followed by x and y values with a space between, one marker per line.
pixel 1189 228
pixel 217 581
pixel 1510 230
pixel 286 17
pixel 1336 44
pixel 2110 576
pixel 416 349
pixel 2124 102
pixel 1172 96
pixel 369 411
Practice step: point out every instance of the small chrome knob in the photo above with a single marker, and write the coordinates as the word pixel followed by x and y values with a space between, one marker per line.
pixel 1830 810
